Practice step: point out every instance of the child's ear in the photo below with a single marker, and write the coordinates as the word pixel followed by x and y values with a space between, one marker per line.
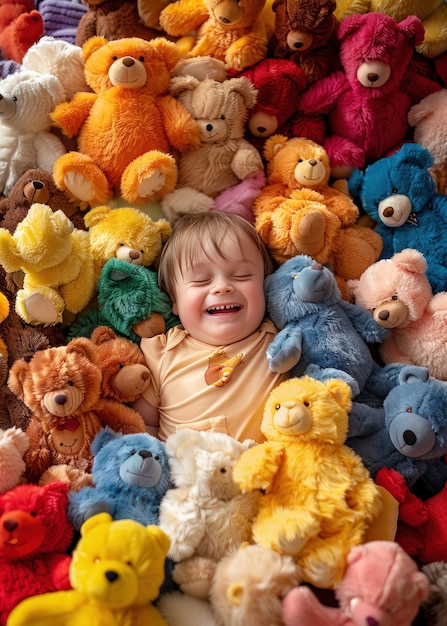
pixel 174 308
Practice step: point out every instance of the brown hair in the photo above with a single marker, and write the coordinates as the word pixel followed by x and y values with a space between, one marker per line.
pixel 191 232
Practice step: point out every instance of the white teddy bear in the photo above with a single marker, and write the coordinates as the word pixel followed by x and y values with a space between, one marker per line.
pixel 26 101
pixel 205 514
pixel 14 443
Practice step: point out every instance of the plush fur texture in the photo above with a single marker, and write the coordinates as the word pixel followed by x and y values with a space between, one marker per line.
pixel 125 134
pixel 125 233
pixel 409 434
pixel 125 556
pixel 433 14
pixel 381 585
pixel 57 263
pixel 62 388
pixel 233 32
pixel 35 535
pixel 435 607
pixel 305 33
pixel 14 443
pixel 20 27
pixel 36 185
pixel 130 477
pixel 429 120
pixel 280 83
pixel 317 328
pixel 129 302
pixel 305 424
pixel 367 119
pixel 27 99
pixel 224 158
pixel 299 212
pixel 205 514
pixel 398 294
pixel 116 19
pixel 415 216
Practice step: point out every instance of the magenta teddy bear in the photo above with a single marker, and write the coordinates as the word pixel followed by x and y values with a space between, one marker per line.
pixel 367 102
pixel 399 296
pixel 381 587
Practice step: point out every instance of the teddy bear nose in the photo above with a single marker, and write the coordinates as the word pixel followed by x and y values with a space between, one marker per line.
pixel 128 61
pixel 409 437
pixel 312 162
pixel 209 127
pixel 383 315
pixel 145 454
pixel 10 525
pixel 388 212
pixel 316 266
pixel 372 77
pixel 60 398
pixel 111 575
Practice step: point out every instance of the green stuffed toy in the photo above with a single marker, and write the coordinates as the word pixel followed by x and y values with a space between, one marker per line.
pixel 129 302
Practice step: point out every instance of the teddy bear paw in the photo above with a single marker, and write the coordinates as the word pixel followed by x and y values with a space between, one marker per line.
pixel 309 238
pixel 291 546
pixel 41 309
pixel 321 574
pixel 150 185
pixel 79 186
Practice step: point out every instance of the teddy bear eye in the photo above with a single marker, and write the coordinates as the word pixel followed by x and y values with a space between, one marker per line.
pixel 156 457
pixel 306 403
pixel 409 410
pixel 394 190
pixel 120 366
pixel 33 513
pixel 96 559
pixel 141 59
pixel 70 383
pixel 394 297
pixel 115 58
pixel 14 98
pixel 222 117
pixel 223 470
pixel 277 407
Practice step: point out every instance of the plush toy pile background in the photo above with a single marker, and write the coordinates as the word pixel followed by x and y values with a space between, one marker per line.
pixel 323 124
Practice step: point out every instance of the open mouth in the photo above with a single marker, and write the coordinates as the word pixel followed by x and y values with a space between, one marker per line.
pixel 223 308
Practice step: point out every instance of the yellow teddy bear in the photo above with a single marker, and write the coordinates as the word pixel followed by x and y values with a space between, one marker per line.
pixel 56 261
pixel 116 573
pixel 317 499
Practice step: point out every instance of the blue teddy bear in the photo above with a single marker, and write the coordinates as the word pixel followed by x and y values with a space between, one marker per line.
pixel 408 434
pixel 320 334
pixel 399 194
pixel 130 476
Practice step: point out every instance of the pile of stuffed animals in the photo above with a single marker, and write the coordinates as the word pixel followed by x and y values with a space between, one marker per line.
pixel 323 124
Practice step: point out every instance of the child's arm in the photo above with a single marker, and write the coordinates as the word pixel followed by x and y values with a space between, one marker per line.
pixel 149 413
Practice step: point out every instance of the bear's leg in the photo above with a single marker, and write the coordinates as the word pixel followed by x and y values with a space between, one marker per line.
pixel 43 306
pixel 149 177
pixel 77 175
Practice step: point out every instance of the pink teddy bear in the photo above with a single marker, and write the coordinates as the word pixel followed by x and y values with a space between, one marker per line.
pixel 381 587
pixel 367 102
pixel 398 294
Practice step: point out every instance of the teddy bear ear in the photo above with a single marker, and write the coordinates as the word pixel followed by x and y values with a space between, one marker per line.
pixel 413 29
pixel 83 346
pixel 168 52
pixel 164 228
pixel 273 145
pixel 17 376
pixel 179 84
pixel 341 392
pixel 94 521
pixel 352 285
pixel 104 436
pixel 16 437
pixel 243 87
pixel 93 44
pixel 349 25
pixel 101 335
pixel 181 442
pixel 96 215
pixel 162 539
pixel 410 260
pixel 413 374
pixel 414 153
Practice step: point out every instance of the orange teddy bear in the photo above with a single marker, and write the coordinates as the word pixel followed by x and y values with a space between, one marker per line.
pixel 128 127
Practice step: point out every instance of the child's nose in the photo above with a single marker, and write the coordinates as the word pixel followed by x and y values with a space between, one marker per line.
pixel 222 286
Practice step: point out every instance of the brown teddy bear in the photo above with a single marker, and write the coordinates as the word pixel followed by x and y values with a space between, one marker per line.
pixel 62 388
pixel 36 185
pixel 116 19
pixel 127 128
pixel 305 33
pixel 298 212
pixel 230 30
pixel 224 157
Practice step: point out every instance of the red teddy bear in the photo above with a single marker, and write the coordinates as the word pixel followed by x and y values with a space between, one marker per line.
pixel 35 535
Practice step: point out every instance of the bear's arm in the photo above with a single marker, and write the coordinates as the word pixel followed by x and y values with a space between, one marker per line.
pixel 181 128
pixel 181 518
pixel 248 49
pixel 47 608
pixel 364 323
pixel 284 352
pixel 119 417
pixel 365 420
pixel 48 148
pixel 38 457
pixel 246 160
pixel 59 566
pixel 70 116
pixel 183 17
pixel 257 467
pixel 270 198
pixel 322 95
pixel 85 503
pixel 362 495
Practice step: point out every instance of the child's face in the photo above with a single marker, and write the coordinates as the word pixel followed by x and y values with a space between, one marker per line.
pixel 221 300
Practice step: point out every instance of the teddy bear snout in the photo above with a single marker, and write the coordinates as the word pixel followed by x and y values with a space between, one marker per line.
pixel 62 402
pixel 8 106
pixel 299 40
pixel 212 131
pixel 391 314
pixel 373 74
pixel 412 435
pixel 395 210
